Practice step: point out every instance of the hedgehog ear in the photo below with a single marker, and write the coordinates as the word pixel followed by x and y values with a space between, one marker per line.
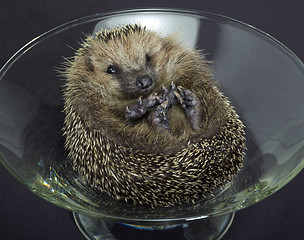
pixel 89 63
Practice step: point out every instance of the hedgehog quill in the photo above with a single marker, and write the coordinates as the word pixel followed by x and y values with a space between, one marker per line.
pixel 145 121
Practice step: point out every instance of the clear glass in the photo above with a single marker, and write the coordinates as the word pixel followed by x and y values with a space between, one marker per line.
pixel 263 79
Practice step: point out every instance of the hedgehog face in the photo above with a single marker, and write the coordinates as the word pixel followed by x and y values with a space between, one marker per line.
pixel 136 77
pixel 126 62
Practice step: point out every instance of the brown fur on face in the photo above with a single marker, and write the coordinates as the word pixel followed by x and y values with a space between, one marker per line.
pixel 100 98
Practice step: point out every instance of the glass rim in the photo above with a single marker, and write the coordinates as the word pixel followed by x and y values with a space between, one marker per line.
pixel 199 14
pixel 96 16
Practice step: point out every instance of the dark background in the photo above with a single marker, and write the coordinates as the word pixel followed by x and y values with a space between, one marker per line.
pixel 23 215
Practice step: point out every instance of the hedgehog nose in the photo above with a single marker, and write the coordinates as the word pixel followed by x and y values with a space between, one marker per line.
pixel 144 81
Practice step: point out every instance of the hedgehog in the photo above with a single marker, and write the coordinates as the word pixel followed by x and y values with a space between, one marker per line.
pixel 145 121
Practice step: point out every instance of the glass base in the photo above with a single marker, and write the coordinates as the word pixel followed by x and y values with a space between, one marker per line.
pixel 212 228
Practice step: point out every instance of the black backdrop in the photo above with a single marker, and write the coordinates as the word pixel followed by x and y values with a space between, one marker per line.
pixel 23 215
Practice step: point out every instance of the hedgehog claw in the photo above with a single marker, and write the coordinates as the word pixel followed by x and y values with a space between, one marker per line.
pixel 168 94
pixel 164 105
pixel 166 91
pixel 178 96
pixel 180 88
pixel 173 87
pixel 190 104
pixel 139 100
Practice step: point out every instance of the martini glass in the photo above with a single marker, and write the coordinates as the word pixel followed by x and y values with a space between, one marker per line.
pixel 262 78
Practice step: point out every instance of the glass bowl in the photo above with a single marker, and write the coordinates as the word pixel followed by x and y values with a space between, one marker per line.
pixel 263 79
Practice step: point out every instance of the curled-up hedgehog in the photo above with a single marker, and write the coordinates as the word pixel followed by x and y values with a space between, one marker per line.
pixel 145 121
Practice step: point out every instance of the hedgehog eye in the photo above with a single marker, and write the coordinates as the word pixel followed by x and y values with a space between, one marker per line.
pixel 111 69
pixel 148 58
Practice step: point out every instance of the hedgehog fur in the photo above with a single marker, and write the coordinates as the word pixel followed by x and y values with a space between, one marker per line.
pixel 141 162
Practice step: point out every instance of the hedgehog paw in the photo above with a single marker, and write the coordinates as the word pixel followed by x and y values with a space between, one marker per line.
pixel 140 108
pixel 159 116
pixel 190 104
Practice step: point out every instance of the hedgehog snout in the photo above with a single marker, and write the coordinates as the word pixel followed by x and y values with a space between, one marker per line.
pixel 144 81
